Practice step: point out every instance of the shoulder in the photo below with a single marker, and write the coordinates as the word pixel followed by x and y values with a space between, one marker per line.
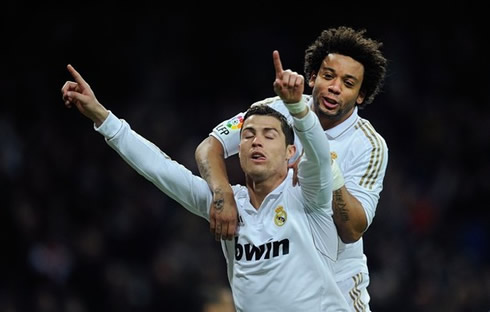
pixel 366 136
pixel 275 100
pixel 277 104
pixel 268 101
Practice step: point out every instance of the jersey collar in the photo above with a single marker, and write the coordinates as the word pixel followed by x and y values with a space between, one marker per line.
pixel 275 192
pixel 280 188
pixel 336 131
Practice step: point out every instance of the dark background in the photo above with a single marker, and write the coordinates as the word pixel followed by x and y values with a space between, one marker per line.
pixel 83 232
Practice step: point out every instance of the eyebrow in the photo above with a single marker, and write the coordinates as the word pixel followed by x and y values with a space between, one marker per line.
pixel 266 129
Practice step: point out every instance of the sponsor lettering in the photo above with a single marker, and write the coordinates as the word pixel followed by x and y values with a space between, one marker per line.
pixel 264 251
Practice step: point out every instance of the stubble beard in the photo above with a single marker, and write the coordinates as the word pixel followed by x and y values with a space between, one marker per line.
pixel 257 175
pixel 329 115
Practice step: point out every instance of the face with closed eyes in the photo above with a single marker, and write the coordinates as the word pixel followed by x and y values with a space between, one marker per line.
pixel 263 151
pixel 337 88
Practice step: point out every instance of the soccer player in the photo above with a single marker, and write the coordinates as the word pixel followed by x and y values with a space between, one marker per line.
pixel 346 70
pixel 281 257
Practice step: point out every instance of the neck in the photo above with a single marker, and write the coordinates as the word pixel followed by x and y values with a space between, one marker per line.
pixel 328 122
pixel 258 190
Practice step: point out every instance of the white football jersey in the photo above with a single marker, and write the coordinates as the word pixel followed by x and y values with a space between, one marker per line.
pixel 361 154
pixel 282 256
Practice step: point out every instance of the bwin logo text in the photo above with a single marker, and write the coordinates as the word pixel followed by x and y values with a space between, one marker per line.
pixel 264 251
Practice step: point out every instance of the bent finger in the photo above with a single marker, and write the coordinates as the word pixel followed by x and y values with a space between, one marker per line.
pixel 212 225
pixel 217 233
pixel 231 230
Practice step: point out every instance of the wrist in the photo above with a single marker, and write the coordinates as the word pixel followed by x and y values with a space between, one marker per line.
pixel 337 177
pixel 222 188
pixel 100 116
pixel 296 108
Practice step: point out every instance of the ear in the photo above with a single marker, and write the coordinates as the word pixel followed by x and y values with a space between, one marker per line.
pixel 360 98
pixel 311 82
pixel 291 151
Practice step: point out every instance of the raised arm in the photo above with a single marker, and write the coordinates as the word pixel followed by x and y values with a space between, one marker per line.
pixel 80 94
pixel 289 86
pixel 314 171
pixel 143 156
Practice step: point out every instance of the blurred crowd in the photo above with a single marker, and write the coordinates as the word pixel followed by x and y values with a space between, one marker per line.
pixel 84 232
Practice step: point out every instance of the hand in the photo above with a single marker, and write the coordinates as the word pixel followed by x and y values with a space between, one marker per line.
pixel 288 85
pixel 223 215
pixel 80 94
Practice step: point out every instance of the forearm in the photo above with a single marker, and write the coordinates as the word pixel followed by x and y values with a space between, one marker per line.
pixel 149 161
pixel 99 115
pixel 223 211
pixel 211 164
pixel 314 169
pixel 348 215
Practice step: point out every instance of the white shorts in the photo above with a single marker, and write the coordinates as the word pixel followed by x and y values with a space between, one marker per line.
pixel 355 292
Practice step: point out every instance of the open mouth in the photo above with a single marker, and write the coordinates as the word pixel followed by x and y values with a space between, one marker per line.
pixel 330 103
pixel 258 156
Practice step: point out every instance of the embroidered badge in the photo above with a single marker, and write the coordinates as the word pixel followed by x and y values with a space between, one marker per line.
pixel 281 216
pixel 333 155
pixel 235 123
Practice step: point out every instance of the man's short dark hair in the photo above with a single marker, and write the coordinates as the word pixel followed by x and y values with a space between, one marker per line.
pixel 266 110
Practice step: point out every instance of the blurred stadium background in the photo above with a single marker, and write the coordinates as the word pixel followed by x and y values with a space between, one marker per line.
pixel 83 232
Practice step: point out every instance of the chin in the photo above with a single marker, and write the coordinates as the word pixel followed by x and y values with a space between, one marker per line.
pixel 257 175
pixel 330 114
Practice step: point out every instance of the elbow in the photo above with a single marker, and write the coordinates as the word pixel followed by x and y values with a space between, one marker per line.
pixel 349 216
pixel 349 236
pixel 201 148
pixel 207 146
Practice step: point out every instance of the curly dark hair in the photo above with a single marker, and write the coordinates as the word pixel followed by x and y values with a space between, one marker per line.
pixel 349 42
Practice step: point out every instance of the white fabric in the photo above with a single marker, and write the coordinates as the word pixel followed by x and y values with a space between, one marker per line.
pixel 338 178
pixel 296 108
pixel 354 289
pixel 362 156
pixel 282 257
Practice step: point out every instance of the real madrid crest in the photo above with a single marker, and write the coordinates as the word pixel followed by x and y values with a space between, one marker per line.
pixel 281 216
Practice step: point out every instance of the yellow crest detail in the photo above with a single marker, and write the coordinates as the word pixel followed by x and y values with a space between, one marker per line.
pixel 333 155
pixel 281 216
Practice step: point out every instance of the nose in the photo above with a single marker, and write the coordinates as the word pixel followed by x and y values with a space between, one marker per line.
pixel 334 87
pixel 257 142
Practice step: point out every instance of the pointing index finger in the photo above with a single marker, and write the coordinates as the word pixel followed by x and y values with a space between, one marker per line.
pixel 78 78
pixel 277 63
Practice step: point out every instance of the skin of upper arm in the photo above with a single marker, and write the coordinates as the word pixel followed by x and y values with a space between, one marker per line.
pixel 208 151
